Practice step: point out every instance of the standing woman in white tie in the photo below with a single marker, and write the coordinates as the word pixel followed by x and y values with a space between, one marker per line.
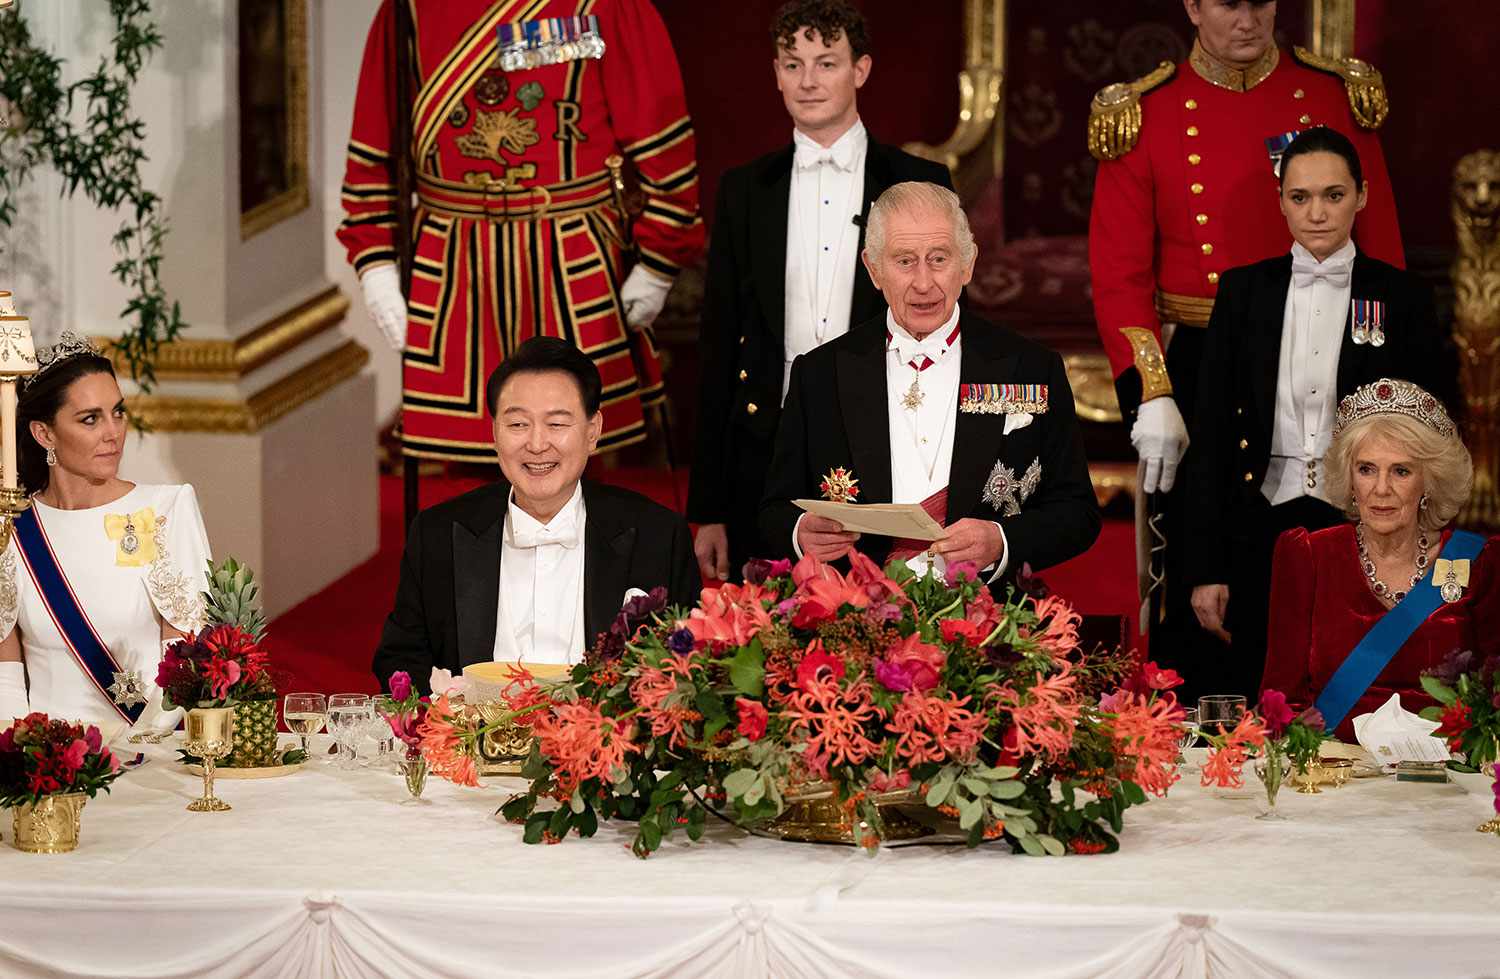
pixel 1288 338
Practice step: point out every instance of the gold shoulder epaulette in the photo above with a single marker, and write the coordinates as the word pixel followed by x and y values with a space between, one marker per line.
pixel 1365 85
pixel 1115 115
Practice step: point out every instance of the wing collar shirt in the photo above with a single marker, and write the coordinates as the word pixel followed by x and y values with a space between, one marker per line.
pixel 1312 331
pixel 822 240
pixel 541 585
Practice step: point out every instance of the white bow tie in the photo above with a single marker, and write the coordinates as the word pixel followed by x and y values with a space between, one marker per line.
pixel 810 157
pixel 560 531
pixel 1335 272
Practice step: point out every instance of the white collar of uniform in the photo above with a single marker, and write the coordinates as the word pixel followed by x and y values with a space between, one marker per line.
pixel 908 347
pixel 524 530
pixel 1343 257
pixel 844 152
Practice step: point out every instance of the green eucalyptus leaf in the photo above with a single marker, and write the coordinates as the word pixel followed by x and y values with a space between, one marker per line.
pixel 1051 844
pixel 1031 846
pixel 1007 790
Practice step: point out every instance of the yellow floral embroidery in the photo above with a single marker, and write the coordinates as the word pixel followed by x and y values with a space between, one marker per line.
pixel 134 535
pixel 494 131
pixel 10 602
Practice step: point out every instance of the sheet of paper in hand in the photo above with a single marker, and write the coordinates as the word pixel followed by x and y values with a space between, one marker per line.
pixel 884 519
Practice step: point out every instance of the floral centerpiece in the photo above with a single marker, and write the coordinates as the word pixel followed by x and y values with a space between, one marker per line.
pixel 48 769
pixel 862 685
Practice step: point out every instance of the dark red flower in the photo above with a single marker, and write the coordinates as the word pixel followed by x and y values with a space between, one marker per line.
pixel 817 660
pixel 1454 722
pixel 955 630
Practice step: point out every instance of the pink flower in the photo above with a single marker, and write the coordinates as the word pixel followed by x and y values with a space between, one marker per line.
pixel 1275 712
pixel 400 684
pixel 833 721
pixel 753 718
pixel 582 743
pixel 1044 716
pixel 1146 739
pixel 892 677
pixel 1159 679
pixel 1495 771
pixel 94 738
pixel 221 674
pixel 896 781
pixel 814 663
pixel 1057 628
pixel 935 729
pixel 71 759
pixel 923 662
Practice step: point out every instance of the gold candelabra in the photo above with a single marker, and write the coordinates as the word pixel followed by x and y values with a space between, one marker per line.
pixel 1476 325
pixel 17 360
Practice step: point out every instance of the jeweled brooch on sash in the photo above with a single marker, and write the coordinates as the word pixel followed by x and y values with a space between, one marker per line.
pixel 839 486
pixel 128 689
pixel 1367 321
pixel 1451 577
pixel 1002 399
pixel 134 535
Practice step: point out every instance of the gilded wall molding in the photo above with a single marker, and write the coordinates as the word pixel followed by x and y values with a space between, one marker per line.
pixel 980 103
pixel 231 360
pixel 166 413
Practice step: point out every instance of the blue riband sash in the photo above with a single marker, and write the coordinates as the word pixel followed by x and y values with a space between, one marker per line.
pixel 1386 637
pixel 62 605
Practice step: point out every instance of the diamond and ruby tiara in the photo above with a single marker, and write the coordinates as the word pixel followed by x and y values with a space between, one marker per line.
pixel 1392 397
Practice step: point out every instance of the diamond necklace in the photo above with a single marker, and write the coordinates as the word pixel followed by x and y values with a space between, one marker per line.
pixel 1381 589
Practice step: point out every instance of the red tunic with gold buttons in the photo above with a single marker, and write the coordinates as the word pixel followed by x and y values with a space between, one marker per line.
pixel 1197 194
pixel 517 229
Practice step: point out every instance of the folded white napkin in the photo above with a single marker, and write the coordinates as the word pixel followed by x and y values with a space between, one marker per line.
pixel 1394 735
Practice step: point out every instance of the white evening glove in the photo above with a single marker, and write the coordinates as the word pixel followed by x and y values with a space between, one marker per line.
pixel 13 702
pixel 385 303
pixel 1160 438
pixel 643 295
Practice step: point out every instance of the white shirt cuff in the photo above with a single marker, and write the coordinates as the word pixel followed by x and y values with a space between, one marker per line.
pixel 796 548
pixel 1004 561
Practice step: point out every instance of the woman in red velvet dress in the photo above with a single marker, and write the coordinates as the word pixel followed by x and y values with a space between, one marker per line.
pixel 1397 460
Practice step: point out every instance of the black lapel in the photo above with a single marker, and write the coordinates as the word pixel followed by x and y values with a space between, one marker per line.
pixel 771 193
pixel 1355 359
pixel 476 578
pixel 977 437
pixel 859 370
pixel 1267 315
pixel 867 301
pixel 607 545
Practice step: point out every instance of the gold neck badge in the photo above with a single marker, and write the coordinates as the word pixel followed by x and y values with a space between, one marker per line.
pixel 1224 75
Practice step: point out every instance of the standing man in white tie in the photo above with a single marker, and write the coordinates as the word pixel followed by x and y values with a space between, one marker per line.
pixel 1288 338
pixel 534 566
pixel 784 274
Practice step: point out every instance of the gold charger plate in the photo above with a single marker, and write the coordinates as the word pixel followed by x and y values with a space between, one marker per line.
pixel 269 771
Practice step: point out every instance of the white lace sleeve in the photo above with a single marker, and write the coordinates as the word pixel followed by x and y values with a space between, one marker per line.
pixel 177 578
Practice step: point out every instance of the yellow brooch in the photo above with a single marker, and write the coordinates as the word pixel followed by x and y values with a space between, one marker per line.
pixel 1451 577
pixel 840 486
pixel 134 535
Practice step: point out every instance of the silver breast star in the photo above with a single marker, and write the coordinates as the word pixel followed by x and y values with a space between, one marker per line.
pixel 128 689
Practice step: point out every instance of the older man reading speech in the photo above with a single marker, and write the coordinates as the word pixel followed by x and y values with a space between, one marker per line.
pixel 535 565
pixel 931 406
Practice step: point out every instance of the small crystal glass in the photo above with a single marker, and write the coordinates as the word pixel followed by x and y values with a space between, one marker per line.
pixel 305 714
pixel 348 716
pixel 1189 725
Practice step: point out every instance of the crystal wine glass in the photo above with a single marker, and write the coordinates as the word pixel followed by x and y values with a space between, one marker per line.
pixel 305 714
pixel 347 715
pixel 1218 714
pixel 1189 725
pixel 379 730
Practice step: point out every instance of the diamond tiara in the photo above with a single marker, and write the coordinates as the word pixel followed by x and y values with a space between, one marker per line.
pixel 68 346
pixel 1389 396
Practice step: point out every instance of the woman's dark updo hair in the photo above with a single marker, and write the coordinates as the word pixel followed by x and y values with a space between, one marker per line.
pixel 40 401
pixel 1321 139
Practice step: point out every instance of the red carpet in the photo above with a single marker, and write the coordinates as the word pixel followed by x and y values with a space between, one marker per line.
pixel 326 642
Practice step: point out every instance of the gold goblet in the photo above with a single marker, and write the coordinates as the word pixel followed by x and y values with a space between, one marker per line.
pixel 210 736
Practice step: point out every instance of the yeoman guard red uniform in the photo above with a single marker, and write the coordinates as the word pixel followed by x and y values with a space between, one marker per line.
pixel 520 106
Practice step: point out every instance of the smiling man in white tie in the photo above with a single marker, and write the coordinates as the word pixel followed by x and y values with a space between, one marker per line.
pixel 929 405
pixel 783 266
pixel 534 566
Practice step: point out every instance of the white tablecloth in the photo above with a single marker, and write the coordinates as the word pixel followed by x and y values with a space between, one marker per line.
pixel 325 873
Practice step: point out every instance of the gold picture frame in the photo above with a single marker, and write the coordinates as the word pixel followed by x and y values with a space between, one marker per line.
pixel 273 108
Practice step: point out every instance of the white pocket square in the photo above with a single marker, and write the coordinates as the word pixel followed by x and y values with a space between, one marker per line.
pixel 1018 420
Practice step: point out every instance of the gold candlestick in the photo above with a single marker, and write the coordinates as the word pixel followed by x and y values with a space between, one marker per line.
pixel 17 360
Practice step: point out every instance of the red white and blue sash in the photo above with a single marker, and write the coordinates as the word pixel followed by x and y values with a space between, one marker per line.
pixel 67 614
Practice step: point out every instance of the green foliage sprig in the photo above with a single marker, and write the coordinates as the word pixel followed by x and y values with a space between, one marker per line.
pixel 102 156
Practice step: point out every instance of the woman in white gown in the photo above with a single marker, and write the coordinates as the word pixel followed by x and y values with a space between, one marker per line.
pixel 100 571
